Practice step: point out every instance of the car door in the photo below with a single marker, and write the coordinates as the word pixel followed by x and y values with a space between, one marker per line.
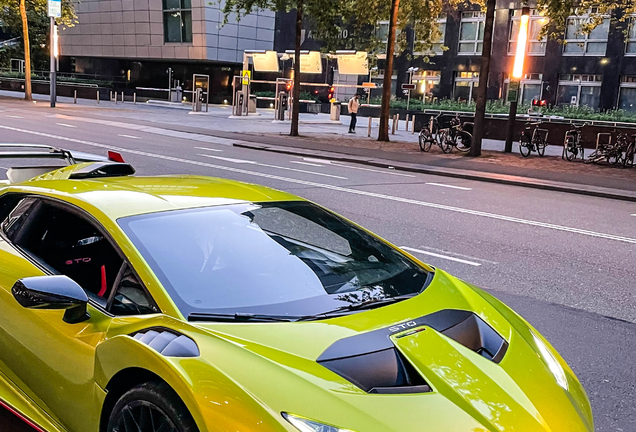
pixel 52 359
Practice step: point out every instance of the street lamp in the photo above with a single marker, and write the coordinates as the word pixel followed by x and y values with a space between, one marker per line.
pixel 54 53
pixel 515 78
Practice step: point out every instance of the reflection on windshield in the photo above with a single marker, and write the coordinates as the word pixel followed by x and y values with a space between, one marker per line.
pixel 286 258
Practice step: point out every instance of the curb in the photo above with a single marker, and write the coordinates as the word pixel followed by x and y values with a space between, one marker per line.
pixel 528 182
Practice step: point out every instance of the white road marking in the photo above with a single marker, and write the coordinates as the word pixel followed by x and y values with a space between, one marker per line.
pixel 14 116
pixel 449 186
pixel 306 163
pixel 633 214
pixel 65 125
pixel 128 136
pixel 336 188
pixel 208 149
pixel 455 254
pixel 243 161
pixel 446 257
pixel 323 161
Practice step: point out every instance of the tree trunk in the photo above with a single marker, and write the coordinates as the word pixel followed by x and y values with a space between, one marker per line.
pixel 383 135
pixel 296 90
pixel 482 90
pixel 27 51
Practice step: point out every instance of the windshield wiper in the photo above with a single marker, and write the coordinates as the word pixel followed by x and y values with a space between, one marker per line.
pixel 219 317
pixel 363 305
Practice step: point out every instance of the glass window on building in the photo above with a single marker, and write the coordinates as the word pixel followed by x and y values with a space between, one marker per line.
pixel 177 21
pixel 578 43
pixel 466 84
pixel 627 94
pixel 630 42
pixel 530 88
pixel 579 90
pixel 535 45
pixel 427 83
pixel 437 43
pixel 471 33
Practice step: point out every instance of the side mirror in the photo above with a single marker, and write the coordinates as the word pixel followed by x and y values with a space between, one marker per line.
pixel 53 292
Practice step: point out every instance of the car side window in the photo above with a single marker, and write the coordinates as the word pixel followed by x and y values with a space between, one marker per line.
pixel 16 211
pixel 66 243
pixel 130 298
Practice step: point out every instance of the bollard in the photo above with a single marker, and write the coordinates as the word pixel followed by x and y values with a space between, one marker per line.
pixel 413 124
pixel 111 96
pixel 406 128
pixel 97 96
pixel 393 126
pixel 369 130
pixel 74 96
pixel 122 97
pixel 115 98
pixel 135 98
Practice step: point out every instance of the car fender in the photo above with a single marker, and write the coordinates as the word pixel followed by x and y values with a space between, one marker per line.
pixel 215 401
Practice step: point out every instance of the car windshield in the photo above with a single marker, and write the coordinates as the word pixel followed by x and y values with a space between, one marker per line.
pixel 281 258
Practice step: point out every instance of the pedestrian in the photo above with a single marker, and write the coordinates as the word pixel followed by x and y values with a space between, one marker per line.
pixel 354 104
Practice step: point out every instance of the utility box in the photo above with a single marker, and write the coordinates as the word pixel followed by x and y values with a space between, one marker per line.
pixel 239 103
pixel 197 100
pixel 251 108
pixel 335 111
pixel 281 105
pixel 177 94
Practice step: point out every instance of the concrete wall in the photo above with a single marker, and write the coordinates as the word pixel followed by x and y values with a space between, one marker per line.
pixel 134 29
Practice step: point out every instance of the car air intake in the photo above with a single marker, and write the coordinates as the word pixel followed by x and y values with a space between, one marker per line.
pixel 103 169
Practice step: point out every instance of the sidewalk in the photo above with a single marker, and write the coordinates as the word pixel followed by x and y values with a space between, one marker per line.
pixel 320 138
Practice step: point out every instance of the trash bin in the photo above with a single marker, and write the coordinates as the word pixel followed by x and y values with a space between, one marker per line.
pixel 177 94
pixel 335 111
pixel 251 108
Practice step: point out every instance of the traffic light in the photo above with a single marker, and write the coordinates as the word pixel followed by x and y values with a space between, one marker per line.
pixel 289 85
pixel 539 102
pixel 331 91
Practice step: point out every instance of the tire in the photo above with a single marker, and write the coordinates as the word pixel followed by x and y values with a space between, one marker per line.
pixel 445 143
pixel 541 148
pixel 613 158
pixel 150 407
pixel 524 146
pixel 629 158
pixel 463 141
pixel 570 151
pixel 426 140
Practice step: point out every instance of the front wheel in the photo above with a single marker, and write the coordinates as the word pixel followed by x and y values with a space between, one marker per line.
pixel 570 151
pixel 150 407
pixel 524 146
pixel 613 158
pixel 629 158
pixel 426 140
pixel 541 148
pixel 463 141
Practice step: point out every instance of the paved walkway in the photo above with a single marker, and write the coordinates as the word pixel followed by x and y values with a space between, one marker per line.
pixel 322 137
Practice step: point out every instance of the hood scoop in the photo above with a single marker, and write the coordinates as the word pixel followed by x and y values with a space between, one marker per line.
pixel 372 362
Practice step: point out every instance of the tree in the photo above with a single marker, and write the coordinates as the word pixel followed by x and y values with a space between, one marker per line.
pixel 324 12
pixel 29 19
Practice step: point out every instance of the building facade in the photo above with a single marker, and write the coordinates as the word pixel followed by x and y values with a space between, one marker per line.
pixel 140 39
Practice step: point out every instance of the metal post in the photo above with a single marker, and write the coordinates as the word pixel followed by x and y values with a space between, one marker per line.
pixel 111 96
pixel 406 128
pixel 53 63
pixel 74 96
pixel 369 130
pixel 408 96
pixel 512 118
pixel 115 98
pixel 122 97
pixel 169 84
pixel 135 98
pixel 413 124
pixel 97 96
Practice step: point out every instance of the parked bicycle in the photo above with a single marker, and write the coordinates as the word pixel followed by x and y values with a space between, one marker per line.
pixel 630 153
pixel 611 153
pixel 434 134
pixel 537 140
pixel 461 134
pixel 573 144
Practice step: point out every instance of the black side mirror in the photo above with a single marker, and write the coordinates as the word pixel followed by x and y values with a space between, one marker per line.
pixel 53 292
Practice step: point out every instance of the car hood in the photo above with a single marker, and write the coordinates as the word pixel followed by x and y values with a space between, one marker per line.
pixel 466 363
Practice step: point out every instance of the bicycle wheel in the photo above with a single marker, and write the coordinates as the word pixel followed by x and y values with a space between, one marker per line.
pixel 628 161
pixel 569 149
pixel 594 157
pixel 541 145
pixel 463 140
pixel 524 145
pixel 426 140
pixel 613 158
pixel 445 143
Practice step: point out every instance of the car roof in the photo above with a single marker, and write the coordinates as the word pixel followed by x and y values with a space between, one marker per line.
pixel 122 196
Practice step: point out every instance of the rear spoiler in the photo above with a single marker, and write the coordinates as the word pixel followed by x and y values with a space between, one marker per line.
pixel 40 151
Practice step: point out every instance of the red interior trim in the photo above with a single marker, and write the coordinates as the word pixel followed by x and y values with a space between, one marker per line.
pixel 20 416
pixel 102 290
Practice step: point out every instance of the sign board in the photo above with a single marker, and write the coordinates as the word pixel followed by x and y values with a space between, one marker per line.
pixel 573 100
pixel 246 76
pixel 409 86
pixel 311 63
pixel 55 8
pixel 266 62
pixel 513 91
pixel 353 64
pixel 369 84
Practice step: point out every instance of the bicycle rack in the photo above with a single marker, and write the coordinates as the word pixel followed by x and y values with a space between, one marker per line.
pixel 603 134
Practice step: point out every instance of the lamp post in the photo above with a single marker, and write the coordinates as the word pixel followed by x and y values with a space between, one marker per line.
pixel 515 77
pixel 54 54
pixel 411 71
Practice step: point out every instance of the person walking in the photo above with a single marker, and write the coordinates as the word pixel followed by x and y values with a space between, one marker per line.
pixel 354 104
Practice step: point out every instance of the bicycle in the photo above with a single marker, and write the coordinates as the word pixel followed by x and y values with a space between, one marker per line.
pixel 533 142
pixel 441 136
pixel 460 134
pixel 630 152
pixel 573 144
pixel 611 153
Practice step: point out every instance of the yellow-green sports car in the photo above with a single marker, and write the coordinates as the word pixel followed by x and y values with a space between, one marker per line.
pixel 186 303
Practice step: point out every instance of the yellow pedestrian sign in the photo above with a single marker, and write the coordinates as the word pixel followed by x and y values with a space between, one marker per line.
pixel 246 75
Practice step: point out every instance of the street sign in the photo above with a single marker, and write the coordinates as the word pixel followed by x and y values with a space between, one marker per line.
pixel 246 77
pixel 409 86
pixel 513 91
pixel 55 8
pixel 369 84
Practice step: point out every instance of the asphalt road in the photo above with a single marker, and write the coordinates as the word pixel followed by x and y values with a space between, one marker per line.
pixel 565 262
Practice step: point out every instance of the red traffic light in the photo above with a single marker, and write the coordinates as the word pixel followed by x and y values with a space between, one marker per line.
pixel 539 102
